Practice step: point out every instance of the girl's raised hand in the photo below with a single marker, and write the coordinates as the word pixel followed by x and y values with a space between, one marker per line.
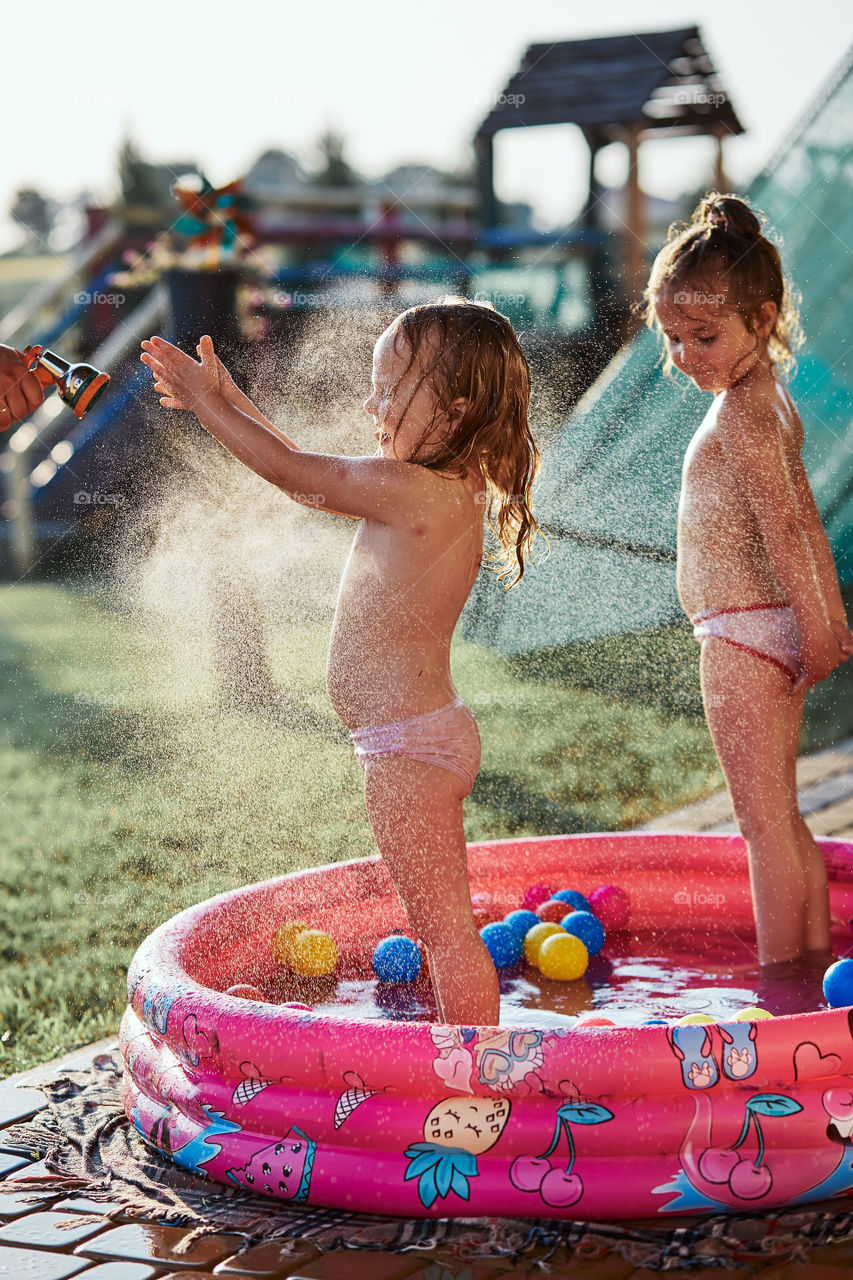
pixel 184 383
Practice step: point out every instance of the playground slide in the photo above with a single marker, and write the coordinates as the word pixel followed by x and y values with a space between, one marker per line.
pixel 609 486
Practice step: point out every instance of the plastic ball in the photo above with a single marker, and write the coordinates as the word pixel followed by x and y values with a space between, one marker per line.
pixel 612 906
pixel 281 942
pixel 552 909
pixel 655 1022
pixel 694 1019
pixel 838 984
pixel 594 1020
pixel 313 954
pixel 397 959
pixel 752 1014
pixel 587 927
pixel 535 894
pixel 503 944
pixel 534 938
pixel 520 921
pixel 563 956
pixel 574 899
pixel 243 991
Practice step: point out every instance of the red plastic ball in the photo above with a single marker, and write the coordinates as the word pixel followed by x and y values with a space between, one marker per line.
pixel 552 910
pixel 612 906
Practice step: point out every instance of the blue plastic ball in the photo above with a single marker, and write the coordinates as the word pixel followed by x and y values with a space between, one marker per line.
pixel 575 900
pixel 655 1022
pixel 396 959
pixel 838 984
pixel 520 921
pixel 503 944
pixel 587 927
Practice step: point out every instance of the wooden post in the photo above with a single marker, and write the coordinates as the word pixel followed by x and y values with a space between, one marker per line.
pixel 721 182
pixel 484 151
pixel 635 219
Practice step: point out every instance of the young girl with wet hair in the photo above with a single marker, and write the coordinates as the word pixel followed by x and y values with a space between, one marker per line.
pixel 449 404
pixel 755 571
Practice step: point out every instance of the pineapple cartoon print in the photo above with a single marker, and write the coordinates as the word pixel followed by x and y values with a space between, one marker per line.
pixel 456 1131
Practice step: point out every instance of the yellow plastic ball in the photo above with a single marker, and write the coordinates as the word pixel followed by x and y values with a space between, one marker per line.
pixel 563 956
pixel 281 942
pixel 534 938
pixel 693 1019
pixel 750 1015
pixel 313 954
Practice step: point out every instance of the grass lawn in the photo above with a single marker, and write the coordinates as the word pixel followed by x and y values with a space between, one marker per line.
pixel 128 795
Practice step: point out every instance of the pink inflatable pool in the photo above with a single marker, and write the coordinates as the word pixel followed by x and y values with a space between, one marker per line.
pixel 530 1119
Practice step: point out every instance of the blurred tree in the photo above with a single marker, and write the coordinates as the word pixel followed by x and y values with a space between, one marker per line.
pixel 35 212
pixel 335 170
pixel 149 186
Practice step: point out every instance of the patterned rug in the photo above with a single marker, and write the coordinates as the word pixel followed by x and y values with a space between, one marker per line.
pixel 90 1148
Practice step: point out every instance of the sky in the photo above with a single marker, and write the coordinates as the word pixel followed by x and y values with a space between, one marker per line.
pixel 401 82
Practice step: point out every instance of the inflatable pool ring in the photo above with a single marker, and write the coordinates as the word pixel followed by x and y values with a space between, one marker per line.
pixel 427 1120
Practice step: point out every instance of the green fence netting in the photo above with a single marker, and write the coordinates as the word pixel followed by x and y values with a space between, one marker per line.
pixel 608 492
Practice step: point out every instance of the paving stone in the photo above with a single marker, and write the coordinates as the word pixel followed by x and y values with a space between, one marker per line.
pixel 14 1204
pixel 138 1242
pixel 359 1264
pixel 37 1264
pixel 49 1230
pixel 127 1271
pixel 268 1261
pixel 82 1204
pixel 19 1104
pixel 10 1163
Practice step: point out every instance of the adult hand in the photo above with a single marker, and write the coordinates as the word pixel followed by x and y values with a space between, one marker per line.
pixel 20 391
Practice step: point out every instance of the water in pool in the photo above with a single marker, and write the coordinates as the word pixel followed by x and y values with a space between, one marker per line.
pixel 635 978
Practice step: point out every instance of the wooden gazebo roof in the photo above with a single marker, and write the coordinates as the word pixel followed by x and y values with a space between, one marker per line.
pixel 660 79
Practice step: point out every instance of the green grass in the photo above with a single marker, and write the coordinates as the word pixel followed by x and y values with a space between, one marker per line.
pixel 128 795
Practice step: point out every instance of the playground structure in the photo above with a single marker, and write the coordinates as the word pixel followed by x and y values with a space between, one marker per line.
pixel 608 494
pixel 316 248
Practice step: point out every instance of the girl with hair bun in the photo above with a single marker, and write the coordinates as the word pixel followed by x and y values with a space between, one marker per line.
pixel 755 571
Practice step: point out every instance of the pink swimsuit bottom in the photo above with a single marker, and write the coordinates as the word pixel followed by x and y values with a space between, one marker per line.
pixel 447 738
pixel 768 631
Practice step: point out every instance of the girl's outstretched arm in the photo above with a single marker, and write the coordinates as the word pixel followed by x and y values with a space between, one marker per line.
pixel 752 442
pixel 379 488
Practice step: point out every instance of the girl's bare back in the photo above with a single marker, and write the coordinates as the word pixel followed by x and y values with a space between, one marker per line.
pixel 722 557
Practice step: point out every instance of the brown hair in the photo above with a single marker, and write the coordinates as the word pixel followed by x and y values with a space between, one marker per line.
pixel 725 242
pixel 471 352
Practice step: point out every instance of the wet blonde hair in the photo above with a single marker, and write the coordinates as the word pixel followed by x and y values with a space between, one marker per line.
pixel 470 351
pixel 724 245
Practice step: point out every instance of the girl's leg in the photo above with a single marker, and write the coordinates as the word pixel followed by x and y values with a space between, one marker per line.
pixel 415 811
pixel 755 723
pixel 817 933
